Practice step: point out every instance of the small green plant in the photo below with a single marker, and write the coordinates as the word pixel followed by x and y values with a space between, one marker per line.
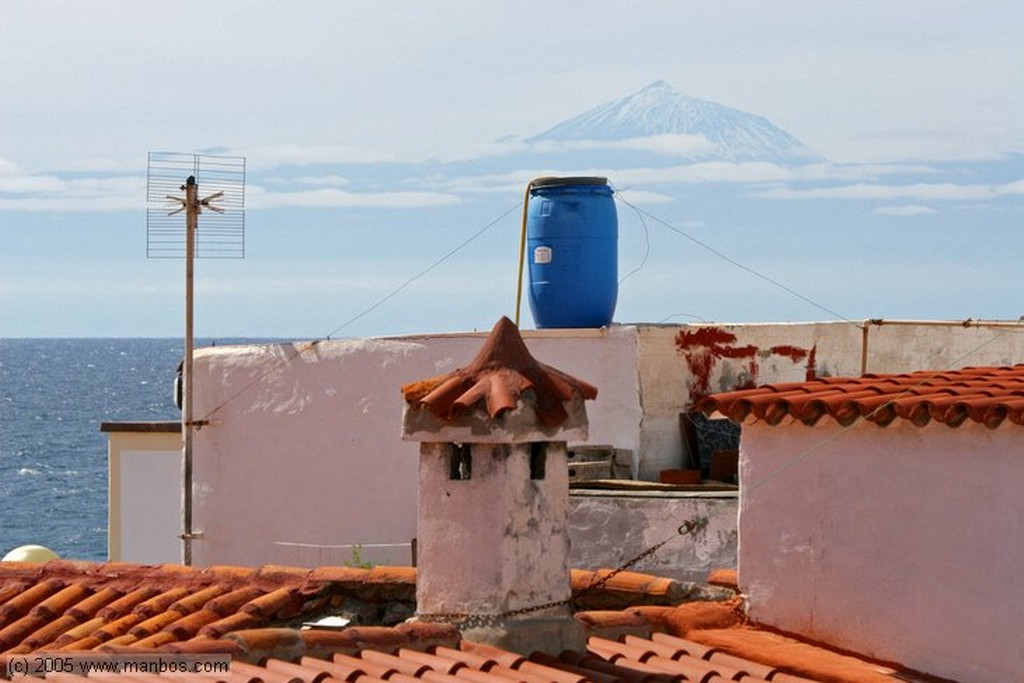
pixel 357 558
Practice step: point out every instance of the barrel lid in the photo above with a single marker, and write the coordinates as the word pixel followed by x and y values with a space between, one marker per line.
pixel 553 181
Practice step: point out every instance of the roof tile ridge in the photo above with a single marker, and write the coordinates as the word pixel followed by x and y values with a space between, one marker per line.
pixel 20 604
pixel 49 632
pixel 127 602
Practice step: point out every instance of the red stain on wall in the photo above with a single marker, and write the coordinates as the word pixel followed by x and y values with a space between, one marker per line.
pixel 703 347
pixel 794 353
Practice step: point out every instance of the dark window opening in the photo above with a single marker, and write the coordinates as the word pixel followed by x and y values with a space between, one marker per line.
pixel 460 462
pixel 538 459
pixel 711 446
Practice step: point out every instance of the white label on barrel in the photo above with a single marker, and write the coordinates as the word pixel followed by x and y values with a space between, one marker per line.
pixel 542 255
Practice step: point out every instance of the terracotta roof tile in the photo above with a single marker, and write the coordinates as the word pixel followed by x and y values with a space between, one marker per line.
pixel 191 603
pixel 190 624
pixel 229 603
pixel 496 378
pixel 118 627
pixel 83 644
pixel 991 396
pixel 78 632
pixel 504 674
pixel 308 674
pixel 588 662
pixel 128 602
pixel 158 604
pixel 409 667
pixel 120 608
pixel 88 607
pixel 272 603
pixel 336 670
pixel 259 673
pixel 20 604
pixel 14 633
pixel 348 575
pixel 690 647
pixel 618 589
pixel 613 624
pixel 794 657
pixel 49 632
pixel 576 671
pixel 234 622
pixel 9 590
pixel 157 640
pixel 374 669
pixel 121 640
pixel 725 578
pixel 432 676
pixel 472 660
pixel 155 623
pixel 550 673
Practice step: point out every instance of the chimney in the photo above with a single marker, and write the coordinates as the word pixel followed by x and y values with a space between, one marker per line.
pixel 494 496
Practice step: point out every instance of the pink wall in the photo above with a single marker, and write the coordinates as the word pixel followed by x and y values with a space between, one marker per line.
pixel 904 543
pixel 305 455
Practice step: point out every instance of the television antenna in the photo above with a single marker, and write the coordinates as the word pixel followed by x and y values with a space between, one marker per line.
pixel 223 236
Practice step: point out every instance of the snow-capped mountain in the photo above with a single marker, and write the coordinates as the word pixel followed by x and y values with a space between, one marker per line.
pixel 660 110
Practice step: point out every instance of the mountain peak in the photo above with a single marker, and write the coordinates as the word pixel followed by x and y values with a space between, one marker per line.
pixel 658 109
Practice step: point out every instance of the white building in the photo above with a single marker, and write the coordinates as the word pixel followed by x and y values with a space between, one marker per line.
pixel 301 460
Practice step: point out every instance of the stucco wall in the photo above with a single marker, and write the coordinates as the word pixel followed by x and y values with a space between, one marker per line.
pixel 899 542
pixel 497 541
pixel 609 529
pixel 144 514
pixel 303 458
pixel 305 455
pixel 679 363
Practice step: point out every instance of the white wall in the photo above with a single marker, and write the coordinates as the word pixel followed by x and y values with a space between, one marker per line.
pixel 900 542
pixel 679 363
pixel 144 513
pixel 303 456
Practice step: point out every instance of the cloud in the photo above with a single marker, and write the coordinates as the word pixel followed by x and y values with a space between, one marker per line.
pixel 726 172
pixel 1011 188
pixel 272 156
pixel 50 193
pixel 672 145
pixel 906 210
pixel 916 191
pixel 679 144
pixel 644 197
pixel 319 181
pixel 261 198
pixel 930 145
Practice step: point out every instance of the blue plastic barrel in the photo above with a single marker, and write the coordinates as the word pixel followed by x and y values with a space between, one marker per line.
pixel 572 239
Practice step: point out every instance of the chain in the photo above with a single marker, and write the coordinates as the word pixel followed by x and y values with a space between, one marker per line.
pixel 690 527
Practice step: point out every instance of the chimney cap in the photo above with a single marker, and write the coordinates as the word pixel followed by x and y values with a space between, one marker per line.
pixel 501 377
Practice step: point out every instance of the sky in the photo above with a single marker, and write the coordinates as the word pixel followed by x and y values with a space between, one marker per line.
pixel 320 96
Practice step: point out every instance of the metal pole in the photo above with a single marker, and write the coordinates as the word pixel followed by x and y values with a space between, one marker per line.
pixel 191 223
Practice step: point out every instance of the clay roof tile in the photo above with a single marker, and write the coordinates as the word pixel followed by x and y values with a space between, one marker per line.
pixel 88 607
pixel 158 604
pixel 497 378
pixel 273 603
pixel 78 632
pixel 127 602
pixel 991 396
pixel 21 603
pixel 49 632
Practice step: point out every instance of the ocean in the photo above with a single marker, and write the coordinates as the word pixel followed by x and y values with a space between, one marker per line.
pixel 54 393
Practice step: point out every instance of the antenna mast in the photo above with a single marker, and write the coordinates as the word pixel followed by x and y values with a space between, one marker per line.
pixel 223 237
